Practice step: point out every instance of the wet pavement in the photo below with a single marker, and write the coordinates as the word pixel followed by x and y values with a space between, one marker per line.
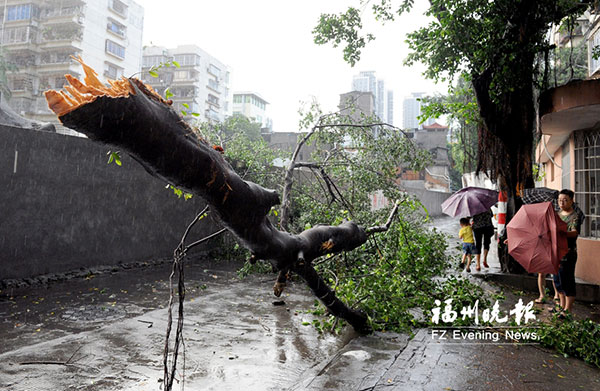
pixel 106 332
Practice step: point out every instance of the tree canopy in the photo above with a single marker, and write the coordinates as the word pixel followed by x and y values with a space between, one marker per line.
pixel 493 44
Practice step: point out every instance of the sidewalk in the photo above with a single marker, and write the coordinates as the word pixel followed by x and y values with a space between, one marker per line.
pixel 391 362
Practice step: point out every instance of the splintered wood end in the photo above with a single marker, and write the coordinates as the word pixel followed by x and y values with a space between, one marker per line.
pixel 79 93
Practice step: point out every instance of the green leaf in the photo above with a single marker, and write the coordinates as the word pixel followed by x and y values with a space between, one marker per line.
pixel 183 112
pixel 185 105
pixel 176 64
pixel 196 114
pixel 168 93
pixel 153 73
pixel 114 157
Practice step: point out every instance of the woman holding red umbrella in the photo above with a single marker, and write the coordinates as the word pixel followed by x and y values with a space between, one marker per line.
pixel 565 279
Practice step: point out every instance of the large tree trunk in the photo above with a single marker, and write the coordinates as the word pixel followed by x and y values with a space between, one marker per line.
pixel 506 146
pixel 137 120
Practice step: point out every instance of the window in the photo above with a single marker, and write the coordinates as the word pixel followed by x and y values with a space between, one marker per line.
pixel 237 99
pixel 112 71
pixel 115 49
pixel 18 35
pixel 119 7
pixel 213 84
pixel 152 61
pixel 116 28
pixel 63 32
pixel 213 99
pixel 214 70
pixel 187 59
pixel 21 12
pixel 587 180
pixel 181 75
pixel 19 84
pixel 56 58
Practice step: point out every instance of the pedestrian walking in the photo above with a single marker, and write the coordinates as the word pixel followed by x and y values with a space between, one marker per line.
pixel 483 230
pixel 468 242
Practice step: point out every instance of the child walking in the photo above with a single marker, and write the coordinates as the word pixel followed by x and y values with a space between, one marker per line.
pixel 468 243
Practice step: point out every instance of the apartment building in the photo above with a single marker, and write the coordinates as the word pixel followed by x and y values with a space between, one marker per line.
pixel 253 106
pixel 200 85
pixel 39 37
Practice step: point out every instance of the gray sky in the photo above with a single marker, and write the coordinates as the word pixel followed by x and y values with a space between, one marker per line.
pixel 269 47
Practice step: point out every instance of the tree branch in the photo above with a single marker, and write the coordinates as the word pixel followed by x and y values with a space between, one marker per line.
pixel 388 223
pixel 138 121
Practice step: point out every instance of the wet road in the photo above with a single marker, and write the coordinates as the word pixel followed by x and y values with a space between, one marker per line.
pixel 107 333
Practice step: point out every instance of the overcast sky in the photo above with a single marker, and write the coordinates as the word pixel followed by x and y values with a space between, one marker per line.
pixel 269 48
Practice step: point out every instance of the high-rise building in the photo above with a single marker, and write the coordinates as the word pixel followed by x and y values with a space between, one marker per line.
pixel 411 110
pixel 200 85
pixel 40 36
pixel 253 106
pixel 383 105
pixel 390 107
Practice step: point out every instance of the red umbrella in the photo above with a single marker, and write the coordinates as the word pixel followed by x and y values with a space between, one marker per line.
pixel 537 238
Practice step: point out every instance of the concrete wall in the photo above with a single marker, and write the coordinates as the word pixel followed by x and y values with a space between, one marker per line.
pixel 588 267
pixel 431 200
pixel 62 207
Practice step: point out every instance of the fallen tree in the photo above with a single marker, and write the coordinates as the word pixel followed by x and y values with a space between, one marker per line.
pixel 134 118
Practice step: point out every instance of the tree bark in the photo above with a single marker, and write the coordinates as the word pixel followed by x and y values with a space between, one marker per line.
pixel 145 126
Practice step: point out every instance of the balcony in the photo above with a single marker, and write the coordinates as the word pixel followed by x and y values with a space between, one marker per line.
pixel 67 37
pixel 185 82
pixel 66 66
pixel 63 16
pixel 20 38
pixel 65 43
pixel 567 108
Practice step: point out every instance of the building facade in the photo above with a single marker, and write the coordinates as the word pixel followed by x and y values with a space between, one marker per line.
pixel 383 100
pixel 569 149
pixel 200 85
pixel 40 36
pixel 254 107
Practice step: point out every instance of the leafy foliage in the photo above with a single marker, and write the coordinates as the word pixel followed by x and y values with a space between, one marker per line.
pixel 353 159
pixel 576 338
pixel 244 148
pixel 495 45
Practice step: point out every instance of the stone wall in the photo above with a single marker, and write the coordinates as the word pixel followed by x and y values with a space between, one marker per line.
pixel 62 207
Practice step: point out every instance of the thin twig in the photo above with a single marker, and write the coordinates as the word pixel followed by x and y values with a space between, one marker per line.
pixel 45 362
pixel 197 242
